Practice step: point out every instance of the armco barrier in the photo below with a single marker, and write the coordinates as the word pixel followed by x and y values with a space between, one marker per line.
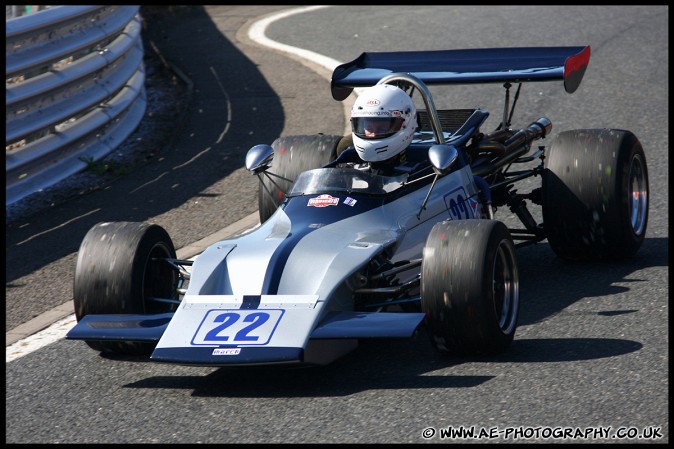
pixel 75 91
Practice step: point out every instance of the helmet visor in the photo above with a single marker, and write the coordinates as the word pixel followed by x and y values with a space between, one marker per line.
pixel 376 127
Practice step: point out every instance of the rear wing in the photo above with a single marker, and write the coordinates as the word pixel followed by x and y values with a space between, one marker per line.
pixel 480 65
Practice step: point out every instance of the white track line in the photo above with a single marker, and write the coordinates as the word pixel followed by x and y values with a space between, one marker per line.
pixel 257 33
pixel 55 332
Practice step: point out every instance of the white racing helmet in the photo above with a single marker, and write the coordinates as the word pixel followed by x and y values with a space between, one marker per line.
pixel 383 121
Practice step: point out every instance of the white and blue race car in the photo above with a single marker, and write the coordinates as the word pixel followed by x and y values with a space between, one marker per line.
pixel 344 254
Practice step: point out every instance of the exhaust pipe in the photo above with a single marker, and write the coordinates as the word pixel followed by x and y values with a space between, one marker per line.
pixel 515 145
pixel 537 130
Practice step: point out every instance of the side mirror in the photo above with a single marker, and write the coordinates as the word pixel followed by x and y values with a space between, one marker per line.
pixel 259 158
pixel 442 156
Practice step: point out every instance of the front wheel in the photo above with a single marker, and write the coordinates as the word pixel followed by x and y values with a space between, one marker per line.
pixel 470 287
pixel 121 269
pixel 595 194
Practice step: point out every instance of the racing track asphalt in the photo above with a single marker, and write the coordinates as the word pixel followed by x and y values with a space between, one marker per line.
pixel 243 94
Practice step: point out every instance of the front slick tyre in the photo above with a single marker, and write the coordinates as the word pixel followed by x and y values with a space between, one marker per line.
pixel 119 270
pixel 595 195
pixel 470 287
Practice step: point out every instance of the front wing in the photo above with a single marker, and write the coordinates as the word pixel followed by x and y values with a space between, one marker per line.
pixel 217 330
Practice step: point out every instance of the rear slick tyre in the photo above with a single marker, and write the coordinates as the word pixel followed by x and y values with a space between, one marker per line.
pixel 292 156
pixel 595 195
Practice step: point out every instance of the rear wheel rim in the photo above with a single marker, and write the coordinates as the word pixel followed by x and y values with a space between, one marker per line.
pixel 638 195
pixel 505 288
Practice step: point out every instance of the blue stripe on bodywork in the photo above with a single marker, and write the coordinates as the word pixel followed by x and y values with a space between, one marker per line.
pixel 278 260
pixel 304 220
pixel 251 301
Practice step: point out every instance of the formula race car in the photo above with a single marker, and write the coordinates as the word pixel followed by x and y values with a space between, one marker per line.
pixel 344 254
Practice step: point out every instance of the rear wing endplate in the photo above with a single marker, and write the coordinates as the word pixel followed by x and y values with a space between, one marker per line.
pixel 481 65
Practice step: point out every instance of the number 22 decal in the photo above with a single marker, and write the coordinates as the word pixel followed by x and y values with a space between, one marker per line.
pixel 253 327
pixel 229 318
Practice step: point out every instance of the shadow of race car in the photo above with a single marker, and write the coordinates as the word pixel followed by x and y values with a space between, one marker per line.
pixel 344 254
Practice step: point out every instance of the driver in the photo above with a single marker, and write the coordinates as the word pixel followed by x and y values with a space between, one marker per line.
pixel 383 122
